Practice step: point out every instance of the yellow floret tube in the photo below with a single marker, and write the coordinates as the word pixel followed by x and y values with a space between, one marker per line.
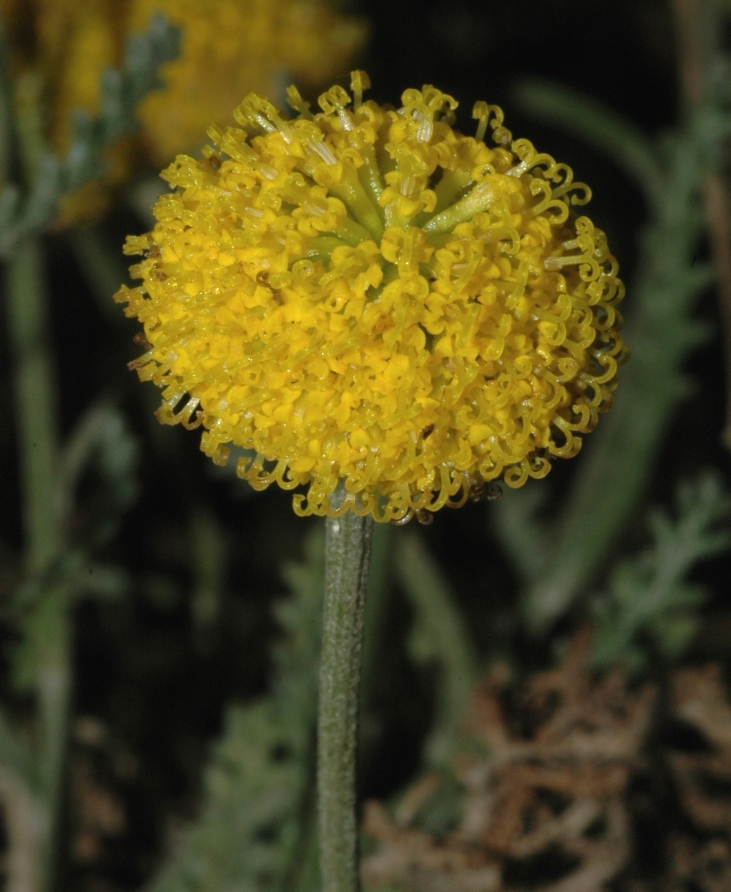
pixel 373 305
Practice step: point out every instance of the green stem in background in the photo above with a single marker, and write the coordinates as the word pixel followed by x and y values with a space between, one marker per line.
pixel 6 110
pixel 347 552
pixel 46 631
pixel 34 404
pixel 700 28
pixel 439 637
pixel 20 820
pixel 51 628
pixel 608 131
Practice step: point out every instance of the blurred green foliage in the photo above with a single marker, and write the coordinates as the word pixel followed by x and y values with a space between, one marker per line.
pixel 251 834
pixel 438 638
pixel 649 596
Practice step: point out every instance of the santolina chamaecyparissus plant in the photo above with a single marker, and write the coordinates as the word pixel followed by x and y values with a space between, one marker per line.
pixel 366 297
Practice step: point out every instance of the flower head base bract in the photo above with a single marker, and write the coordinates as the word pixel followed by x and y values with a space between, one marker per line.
pixel 376 307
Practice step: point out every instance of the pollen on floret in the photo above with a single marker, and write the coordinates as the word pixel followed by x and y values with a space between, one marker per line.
pixel 383 313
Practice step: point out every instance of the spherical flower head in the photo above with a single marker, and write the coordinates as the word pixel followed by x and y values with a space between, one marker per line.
pixel 374 307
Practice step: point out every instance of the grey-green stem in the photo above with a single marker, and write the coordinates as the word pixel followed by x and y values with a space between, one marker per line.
pixel 347 551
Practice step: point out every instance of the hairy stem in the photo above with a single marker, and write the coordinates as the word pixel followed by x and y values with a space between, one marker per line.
pixel 347 551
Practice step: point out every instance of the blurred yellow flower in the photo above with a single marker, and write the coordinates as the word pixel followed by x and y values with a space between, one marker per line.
pixel 77 41
pixel 228 48
pixel 58 50
pixel 231 47
pixel 366 300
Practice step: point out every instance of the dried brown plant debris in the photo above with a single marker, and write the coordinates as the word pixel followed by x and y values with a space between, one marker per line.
pixel 553 795
pixel 97 815
pixel 698 865
pixel 544 805
pixel 415 859
pixel 97 812
pixel 571 783
pixel 699 761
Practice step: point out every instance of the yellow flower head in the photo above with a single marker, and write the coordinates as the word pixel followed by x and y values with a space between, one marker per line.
pixel 366 301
